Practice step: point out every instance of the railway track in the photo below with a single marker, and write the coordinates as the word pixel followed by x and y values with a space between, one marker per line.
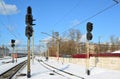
pixel 58 71
pixel 11 72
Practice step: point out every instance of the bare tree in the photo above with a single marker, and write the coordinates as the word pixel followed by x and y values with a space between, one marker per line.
pixel 112 41
pixel 69 46
pixel 78 37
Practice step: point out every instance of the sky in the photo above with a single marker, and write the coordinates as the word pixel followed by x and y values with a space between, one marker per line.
pixel 59 16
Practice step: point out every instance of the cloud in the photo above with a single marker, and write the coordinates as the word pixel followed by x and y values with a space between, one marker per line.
pixel 7 9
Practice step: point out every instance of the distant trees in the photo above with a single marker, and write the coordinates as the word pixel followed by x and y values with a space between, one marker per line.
pixel 111 46
pixel 70 44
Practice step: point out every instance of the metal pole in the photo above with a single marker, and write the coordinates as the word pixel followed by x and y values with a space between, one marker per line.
pixel 3 51
pixel 16 53
pixel 48 50
pixel 58 48
pixel 87 59
pixel 13 56
pixel 99 49
pixel 77 48
pixel 28 60
pixel 33 48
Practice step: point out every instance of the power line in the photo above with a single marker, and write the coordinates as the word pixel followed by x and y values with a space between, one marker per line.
pixel 67 13
pixel 8 21
pixel 9 30
pixel 116 2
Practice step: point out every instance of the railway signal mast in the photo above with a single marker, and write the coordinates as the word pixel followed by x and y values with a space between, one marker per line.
pixel 29 33
pixel 13 45
pixel 89 37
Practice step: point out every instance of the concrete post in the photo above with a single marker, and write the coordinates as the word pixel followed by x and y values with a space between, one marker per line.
pixel 28 60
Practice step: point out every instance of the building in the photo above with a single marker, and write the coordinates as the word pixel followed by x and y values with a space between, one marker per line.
pixel 4 51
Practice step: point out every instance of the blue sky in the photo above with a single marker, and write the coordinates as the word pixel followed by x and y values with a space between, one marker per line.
pixel 58 15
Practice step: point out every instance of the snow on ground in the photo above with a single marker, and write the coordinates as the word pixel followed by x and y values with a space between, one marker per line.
pixel 95 73
pixel 5 59
pixel 39 72
pixel 6 66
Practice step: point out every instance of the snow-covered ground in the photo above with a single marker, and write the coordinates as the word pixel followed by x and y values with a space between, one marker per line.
pixel 40 72
pixel 6 64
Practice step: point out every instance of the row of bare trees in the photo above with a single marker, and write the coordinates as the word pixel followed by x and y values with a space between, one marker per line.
pixel 70 43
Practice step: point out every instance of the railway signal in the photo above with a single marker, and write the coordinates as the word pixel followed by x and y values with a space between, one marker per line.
pixel 29 33
pixel 29 17
pixel 29 22
pixel 89 29
pixel 12 45
pixel 89 37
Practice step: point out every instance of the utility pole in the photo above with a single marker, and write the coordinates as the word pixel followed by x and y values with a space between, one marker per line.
pixel 58 44
pixel 3 48
pixel 16 53
pixel 99 46
pixel 56 36
pixel 48 51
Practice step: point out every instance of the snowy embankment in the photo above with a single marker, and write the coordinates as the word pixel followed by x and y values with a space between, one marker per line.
pixel 95 73
pixel 38 71
pixel 118 51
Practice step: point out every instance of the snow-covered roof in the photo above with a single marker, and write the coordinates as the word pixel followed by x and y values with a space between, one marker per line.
pixel 116 51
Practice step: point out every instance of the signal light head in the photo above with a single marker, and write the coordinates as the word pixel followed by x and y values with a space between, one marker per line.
pixel 89 36
pixel 12 43
pixel 89 27
pixel 29 10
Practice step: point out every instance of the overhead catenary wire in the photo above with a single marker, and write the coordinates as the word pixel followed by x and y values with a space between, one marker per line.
pixel 64 16
pixel 88 18
pixel 5 10
pixel 8 19
pixel 14 33
pixel 9 30
pixel 101 11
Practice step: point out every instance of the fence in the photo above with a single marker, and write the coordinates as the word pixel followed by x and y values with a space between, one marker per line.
pixel 107 61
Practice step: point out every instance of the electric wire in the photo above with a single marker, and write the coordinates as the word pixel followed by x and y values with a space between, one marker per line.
pixel 8 20
pixel 14 33
pixel 17 34
pixel 7 28
pixel 105 9
pixel 94 15
pixel 64 16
